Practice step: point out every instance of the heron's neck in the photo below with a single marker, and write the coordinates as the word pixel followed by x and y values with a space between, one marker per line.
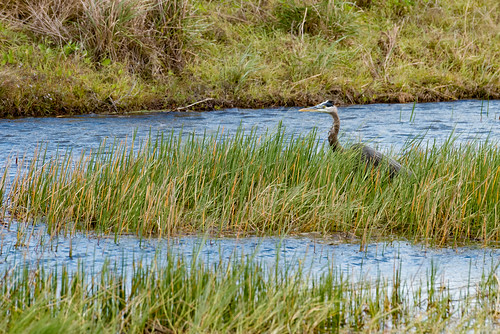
pixel 334 131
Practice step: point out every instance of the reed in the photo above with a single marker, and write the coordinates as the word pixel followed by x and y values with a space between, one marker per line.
pixel 273 184
pixel 3 180
pixel 240 295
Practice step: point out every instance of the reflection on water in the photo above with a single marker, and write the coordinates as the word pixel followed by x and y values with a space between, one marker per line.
pixel 457 267
pixel 388 126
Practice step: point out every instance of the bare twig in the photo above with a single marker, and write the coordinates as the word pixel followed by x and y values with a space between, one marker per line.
pixel 193 104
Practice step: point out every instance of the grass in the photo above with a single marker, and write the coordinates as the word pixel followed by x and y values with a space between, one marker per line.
pixel 245 184
pixel 3 180
pixel 241 296
pixel 80 56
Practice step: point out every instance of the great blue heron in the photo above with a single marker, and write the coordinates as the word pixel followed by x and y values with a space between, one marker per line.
pixel 368 154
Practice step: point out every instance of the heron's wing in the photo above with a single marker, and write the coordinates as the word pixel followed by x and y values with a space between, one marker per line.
pixel 371 155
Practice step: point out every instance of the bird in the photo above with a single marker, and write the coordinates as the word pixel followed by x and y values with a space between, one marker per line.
pixel 368 154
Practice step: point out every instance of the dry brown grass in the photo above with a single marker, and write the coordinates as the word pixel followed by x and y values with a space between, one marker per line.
pixel 146 34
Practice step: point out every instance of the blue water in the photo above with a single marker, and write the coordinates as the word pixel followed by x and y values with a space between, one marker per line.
pixel 387 126
pixel 456 267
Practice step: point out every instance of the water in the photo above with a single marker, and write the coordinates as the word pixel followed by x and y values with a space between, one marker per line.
pixel 457 267
pixel 385 126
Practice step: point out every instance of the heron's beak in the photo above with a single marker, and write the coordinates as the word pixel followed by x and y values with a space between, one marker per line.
pixel 318 108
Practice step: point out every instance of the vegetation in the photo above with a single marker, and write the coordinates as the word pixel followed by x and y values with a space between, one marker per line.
pixel 239 296
pixel 246 184
pixel 80 56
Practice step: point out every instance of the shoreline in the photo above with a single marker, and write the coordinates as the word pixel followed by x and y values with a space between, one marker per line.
pixel 210 104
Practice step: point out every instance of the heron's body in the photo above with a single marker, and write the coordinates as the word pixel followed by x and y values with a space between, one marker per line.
pixel 367 154
pixel 371 155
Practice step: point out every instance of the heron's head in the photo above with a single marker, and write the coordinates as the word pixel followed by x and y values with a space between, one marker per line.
pixel 325 107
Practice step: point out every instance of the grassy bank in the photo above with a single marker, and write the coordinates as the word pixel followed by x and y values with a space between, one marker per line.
pixel 245 184
pixel 238 297
pixel 80 56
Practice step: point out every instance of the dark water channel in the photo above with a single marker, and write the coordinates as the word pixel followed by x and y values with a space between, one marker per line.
pixel 387 126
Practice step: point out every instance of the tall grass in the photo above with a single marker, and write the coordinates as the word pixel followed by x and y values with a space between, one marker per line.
pixel 239 296
pixel 148 34
pixel 263 185
pixel 3 180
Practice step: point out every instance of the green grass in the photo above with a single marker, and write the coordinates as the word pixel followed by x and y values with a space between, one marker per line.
pixel 3 180
pixel 246 184
pixel 83 56
pixel 240 296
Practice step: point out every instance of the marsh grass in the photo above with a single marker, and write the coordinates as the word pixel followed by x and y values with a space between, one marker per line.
pixel 239 295
pixel 273 184
pixel 3 180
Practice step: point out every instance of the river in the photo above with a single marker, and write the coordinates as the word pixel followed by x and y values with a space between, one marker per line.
pixel 387 126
